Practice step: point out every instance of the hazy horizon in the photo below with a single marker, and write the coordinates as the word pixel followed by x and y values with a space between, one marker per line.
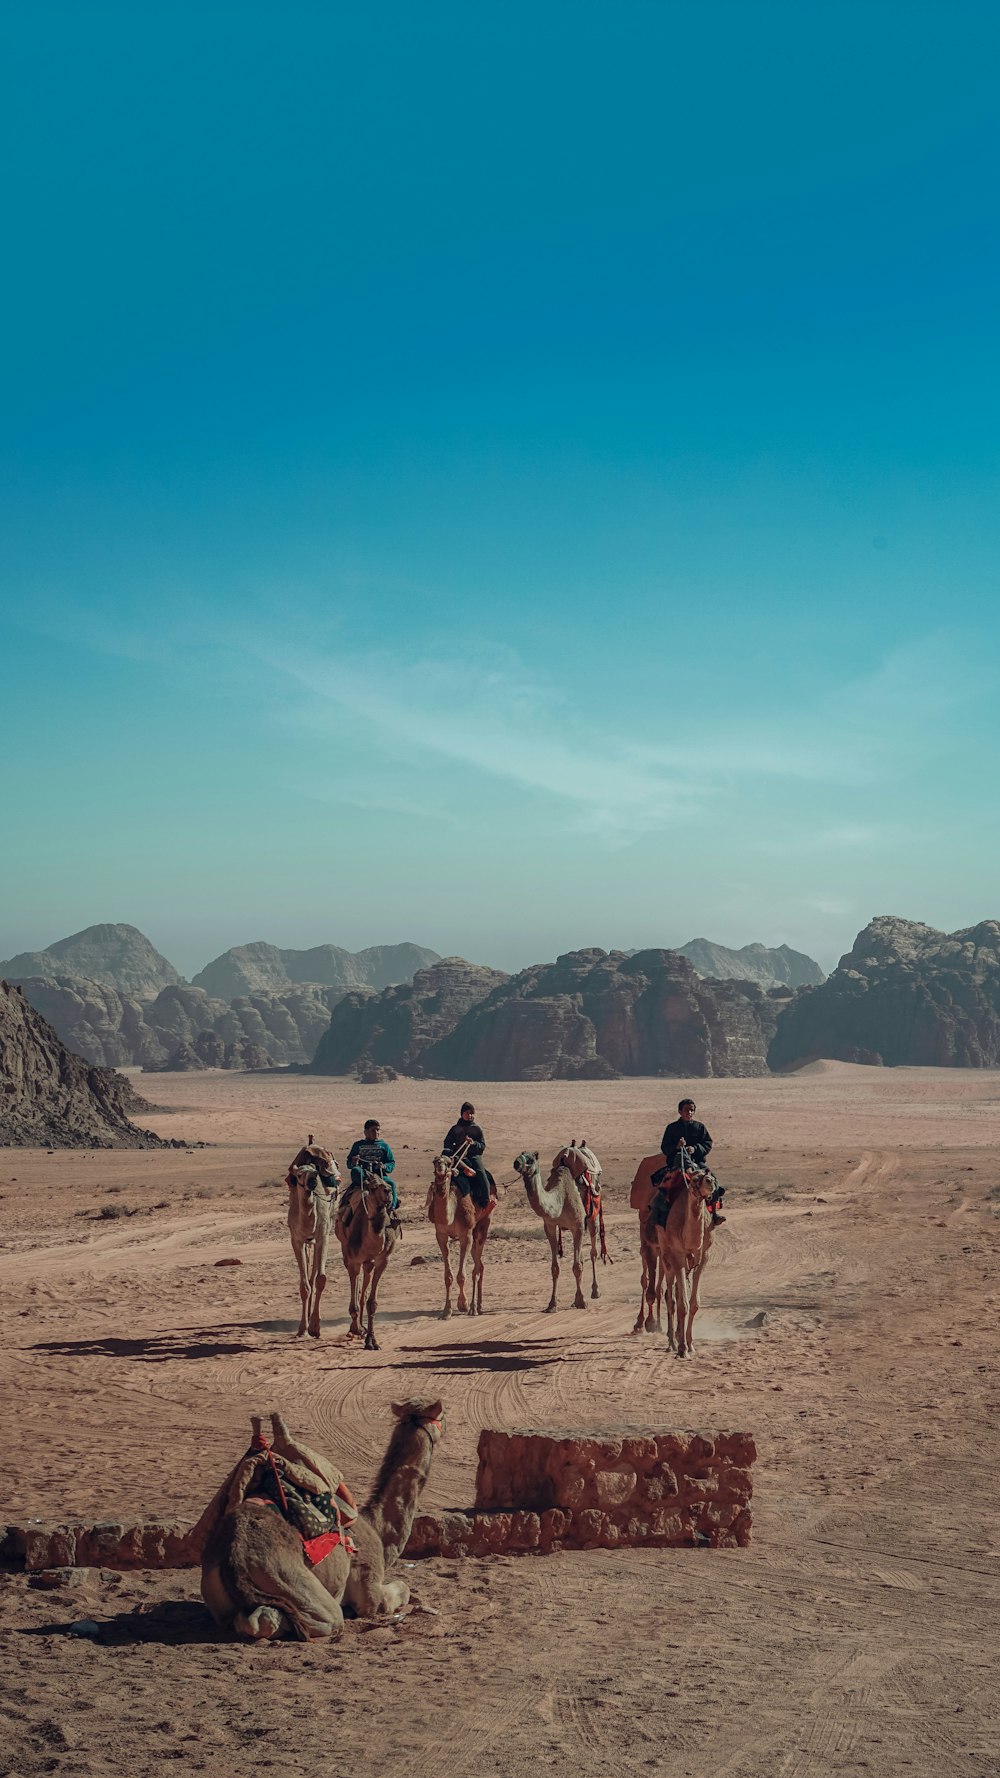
pixel 514 478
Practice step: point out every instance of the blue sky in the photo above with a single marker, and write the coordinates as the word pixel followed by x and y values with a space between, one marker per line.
pixel 508 476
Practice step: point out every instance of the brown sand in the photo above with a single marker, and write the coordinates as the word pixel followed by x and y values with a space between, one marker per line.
pixel 855 1635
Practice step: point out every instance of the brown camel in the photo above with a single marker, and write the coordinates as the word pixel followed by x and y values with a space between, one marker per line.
pixel 560 1205
pixel 684 1246
pixel 309 1217
pixel 651 1285
pixel 256 1577
pixel 367 1239
pixel 457 1218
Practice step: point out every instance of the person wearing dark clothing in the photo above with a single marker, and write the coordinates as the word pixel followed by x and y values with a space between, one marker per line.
pixel 373 1155
pixel 686 1132
pixel 471 1175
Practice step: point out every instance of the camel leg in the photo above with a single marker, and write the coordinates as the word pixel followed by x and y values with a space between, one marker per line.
pixel 594 1292
pixel 442 1241
pixel 658 1273
pixel 578 1302
pixel 463 1248
pixel 371 1343
pixel 354 1273
pixel 318 1283
pixel 552 1232
pixel 479 1235
pixel 299 1252
pixel 645 1294
pixel 264 1624
pixel 694 1304
pixel 680 1300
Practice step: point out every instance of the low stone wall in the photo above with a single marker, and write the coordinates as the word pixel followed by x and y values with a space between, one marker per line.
pixel 535 1491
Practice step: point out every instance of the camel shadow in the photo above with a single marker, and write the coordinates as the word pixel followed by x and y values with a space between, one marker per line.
pixel 151 1349
pixel 483 1355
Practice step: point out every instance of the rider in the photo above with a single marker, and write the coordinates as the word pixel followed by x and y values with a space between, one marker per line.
pixel 312 1155
pixel 686 1132
pixel 371 1153
pixel 472 1175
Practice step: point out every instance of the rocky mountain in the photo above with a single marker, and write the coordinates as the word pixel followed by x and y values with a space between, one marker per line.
pixel 116 1030
pixel 905 994
pixel 590 1015
pixel 51 1098
pixel 118 957
pixel 395 1028
pixel 778 967
pixel 263 968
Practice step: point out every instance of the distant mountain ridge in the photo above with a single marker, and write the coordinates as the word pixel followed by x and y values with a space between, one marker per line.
pixel 261 968
pixel 777 967
pixel 116 956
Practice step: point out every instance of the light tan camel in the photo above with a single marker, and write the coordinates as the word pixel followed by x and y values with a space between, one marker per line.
pixel 560 1205
pixel 684 1246
pixel 309 1218
pixel 651 1284
pixel 256 1578
pixel 367 1239
pixel 457 1218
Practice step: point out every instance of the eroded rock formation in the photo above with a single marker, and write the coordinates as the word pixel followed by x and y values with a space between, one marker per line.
pixel 52 1098
pixel 247 970
pixel 394 1029
pixel 115 956
pixel 905 994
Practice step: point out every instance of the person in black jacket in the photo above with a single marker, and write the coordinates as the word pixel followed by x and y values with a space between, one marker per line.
pixel 472 1175
pixel 687 1132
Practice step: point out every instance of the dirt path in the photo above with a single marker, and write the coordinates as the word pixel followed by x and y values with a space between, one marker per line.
pixel 850 1323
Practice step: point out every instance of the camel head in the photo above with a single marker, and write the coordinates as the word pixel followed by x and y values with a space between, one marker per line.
pixel 442 1172
pixel 427 1414
pixel 526 1164
pixel 305 1178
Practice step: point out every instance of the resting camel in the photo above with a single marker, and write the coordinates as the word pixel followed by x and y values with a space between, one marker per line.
pixel 457 1218
pixel 560 1205
pixel 367 1239
pixel 683 1248
pixel 256 1577
pixel 309 1215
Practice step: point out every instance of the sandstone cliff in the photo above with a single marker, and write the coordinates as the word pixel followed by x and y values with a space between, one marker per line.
pixel 589 1015
pixel 117 956
pixel 263 968
pixel 905 994
pixel 50 1098
pixel 393 1029
pixel 594 1014
pixel 778 967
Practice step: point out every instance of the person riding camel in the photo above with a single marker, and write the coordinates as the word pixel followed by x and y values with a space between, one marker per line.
pixel 369 1154
pixel 311 1154
pixel 685 1132
pixel 471 1175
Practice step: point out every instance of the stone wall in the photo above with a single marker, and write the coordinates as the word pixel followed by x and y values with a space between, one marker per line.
pixel 535 1491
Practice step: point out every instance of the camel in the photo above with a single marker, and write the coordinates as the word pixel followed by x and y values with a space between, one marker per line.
pixel 309 1218
pixel 651 1285
pixel 367 1240
pixel 256 1577
pixel 457 1218
pixel 560 1205
pixel 683 1247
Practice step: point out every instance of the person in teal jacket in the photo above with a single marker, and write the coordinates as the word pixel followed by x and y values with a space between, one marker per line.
pixel 372 1153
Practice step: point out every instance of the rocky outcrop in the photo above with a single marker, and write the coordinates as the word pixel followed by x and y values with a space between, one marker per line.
pixel 590 1015
pixel 394 1029
pixel 594 1014
pixel 904 995
pixel 778 967
pixel 53 1099
pixel 118 957
pixel 247 970
pixel 114 1030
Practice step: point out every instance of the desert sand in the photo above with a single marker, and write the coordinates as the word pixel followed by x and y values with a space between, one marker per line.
pixel 850 1324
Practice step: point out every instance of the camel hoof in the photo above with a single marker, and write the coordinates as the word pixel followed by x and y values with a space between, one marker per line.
pixel 580 1305
pixel 550 1309
pixel 446 1313
pixel 595 1293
